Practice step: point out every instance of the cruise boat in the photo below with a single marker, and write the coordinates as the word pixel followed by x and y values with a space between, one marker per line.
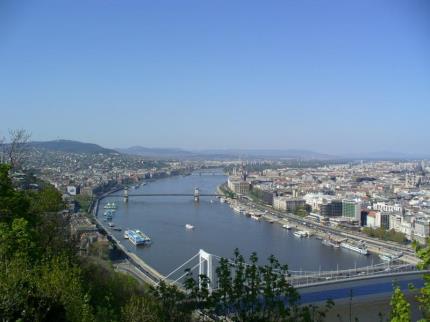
pixel 108 212
pixel 331 242
pixel 126 234
pixel 286 226
pixel 389 257
pixel 300 233
pixel 136 237
pixel 237 210
pixel 144 236
pixel 256 217
pixel 360 248
pixel 189 226
pixel 110 205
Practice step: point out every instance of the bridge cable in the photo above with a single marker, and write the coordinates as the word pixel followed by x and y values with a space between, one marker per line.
pixel 179 267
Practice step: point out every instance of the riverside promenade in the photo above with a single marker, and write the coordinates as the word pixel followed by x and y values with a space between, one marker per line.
pixel 134 265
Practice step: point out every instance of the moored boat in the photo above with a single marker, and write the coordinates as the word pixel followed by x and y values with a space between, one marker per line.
pixel 110 205
pixel 331 242
pixel 360 247
pixel 389 257
pixel 256 217
pixel 300 233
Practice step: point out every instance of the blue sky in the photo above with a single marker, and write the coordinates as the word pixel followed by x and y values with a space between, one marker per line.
pixel 331 76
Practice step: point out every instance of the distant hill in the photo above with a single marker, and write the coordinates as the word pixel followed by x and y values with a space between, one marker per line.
pixel 271 154
pixel 220 154
pixel 71 146
pixel 164 153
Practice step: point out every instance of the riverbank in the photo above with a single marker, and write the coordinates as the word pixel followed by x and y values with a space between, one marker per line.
pixel 264 212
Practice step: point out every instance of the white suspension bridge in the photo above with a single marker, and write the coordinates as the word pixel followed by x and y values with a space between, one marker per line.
pixel 205 264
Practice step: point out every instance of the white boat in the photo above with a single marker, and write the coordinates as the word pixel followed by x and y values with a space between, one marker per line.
pixel 212 201
pixel 110 205
pixel 135 238
pixel 126 234
pixel 331 242
pixel 188 226
pixel 111 224
pixel 237 210
pixel 286 226
pixel 300 233
pixel 255 217
pixel 222 200
pixel 389 257
pixel 359 248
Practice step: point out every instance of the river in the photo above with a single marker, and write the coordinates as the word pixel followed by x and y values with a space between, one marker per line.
pixel 218 230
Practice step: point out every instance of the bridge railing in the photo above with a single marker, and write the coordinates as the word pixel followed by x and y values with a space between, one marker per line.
pixel 306 278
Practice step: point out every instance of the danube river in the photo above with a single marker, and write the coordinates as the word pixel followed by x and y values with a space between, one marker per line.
pixel 218 230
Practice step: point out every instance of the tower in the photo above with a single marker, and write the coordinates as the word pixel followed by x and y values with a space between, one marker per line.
pixel 205 267
pixel 196 194
pixel 126 194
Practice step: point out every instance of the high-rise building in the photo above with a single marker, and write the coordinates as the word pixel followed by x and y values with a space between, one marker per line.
pixel 336 208
pixel 351 209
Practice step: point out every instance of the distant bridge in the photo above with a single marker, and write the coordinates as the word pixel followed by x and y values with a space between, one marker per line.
pixel 196 195
pixel 167 195
pixel 207 173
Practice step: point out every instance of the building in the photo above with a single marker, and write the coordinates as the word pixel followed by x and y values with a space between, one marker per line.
pixel 265 195
pixel 287 204
pixel 336 208
pixel 73 190
pixel 237 185
pixel 422 229
pixel 352 210
pixel 382 206
pixel 332 209
pixel 373 219
pixel 363 219
pixel 385 220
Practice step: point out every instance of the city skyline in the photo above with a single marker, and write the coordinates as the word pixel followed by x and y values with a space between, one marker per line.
pixel 332 77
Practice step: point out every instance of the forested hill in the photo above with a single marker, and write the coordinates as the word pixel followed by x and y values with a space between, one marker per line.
pixel 71 147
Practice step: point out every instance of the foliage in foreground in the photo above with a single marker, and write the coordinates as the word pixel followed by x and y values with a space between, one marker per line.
pixel 400 307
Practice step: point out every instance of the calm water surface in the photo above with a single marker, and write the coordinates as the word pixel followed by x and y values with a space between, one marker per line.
pixel 218 230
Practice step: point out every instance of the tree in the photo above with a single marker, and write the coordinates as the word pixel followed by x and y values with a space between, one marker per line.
pixel 14 149
pixel 400 308
pixel 251 292
pixel 423 253
pixel 13 203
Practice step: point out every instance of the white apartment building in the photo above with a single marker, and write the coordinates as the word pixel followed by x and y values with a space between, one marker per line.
pixel 385 207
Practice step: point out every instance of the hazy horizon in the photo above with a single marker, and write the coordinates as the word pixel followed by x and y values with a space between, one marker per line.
pixel 331 77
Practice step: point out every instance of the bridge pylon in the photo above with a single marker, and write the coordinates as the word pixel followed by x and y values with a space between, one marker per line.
pixel 205 267
pixel 196 194
pixel 126 194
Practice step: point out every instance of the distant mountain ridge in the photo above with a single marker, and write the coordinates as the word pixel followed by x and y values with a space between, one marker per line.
pixel 219 154
pixel 71 147
pixel 224 153
pixel 273 153
pixel 156 152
